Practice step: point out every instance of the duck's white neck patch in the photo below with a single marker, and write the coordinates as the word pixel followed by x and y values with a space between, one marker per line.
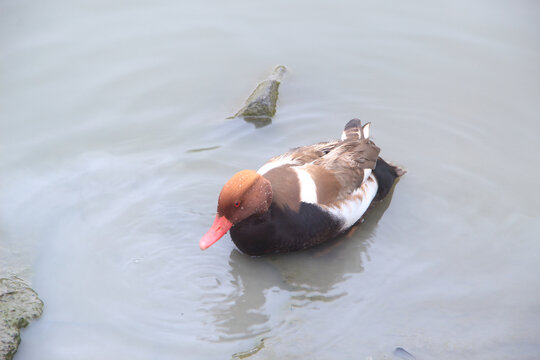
pixel 308 189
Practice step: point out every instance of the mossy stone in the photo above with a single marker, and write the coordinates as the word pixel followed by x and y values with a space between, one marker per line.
pixel 19 305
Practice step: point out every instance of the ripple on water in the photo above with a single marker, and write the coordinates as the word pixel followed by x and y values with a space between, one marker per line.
pixel 258 295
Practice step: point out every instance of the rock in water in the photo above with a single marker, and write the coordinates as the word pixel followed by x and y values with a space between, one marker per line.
pixel 403 354
pixel 260 106
pixel 18 306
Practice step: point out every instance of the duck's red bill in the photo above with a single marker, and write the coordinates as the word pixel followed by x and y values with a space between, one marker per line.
pixel 219 228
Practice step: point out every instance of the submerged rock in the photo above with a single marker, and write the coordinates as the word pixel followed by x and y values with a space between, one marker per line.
pixel 19 305
pixel 246 354
pixel 260 106
pixel 403 354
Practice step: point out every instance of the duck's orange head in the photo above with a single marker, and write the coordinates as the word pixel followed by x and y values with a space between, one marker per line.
pixel 246 193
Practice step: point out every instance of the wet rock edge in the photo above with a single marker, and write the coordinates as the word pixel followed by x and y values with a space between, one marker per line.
pixel 19 305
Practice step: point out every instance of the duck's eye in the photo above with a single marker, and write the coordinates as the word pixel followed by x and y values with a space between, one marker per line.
pixel 237 204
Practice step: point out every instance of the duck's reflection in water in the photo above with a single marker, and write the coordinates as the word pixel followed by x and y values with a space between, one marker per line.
pixel 265 287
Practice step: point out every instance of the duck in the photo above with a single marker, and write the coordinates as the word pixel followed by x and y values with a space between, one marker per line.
pixel 304 197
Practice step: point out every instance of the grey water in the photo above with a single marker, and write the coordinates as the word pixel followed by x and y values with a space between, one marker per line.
pixel 115 142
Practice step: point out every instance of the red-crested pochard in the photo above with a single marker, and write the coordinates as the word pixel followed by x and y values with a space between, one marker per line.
pixel 303 197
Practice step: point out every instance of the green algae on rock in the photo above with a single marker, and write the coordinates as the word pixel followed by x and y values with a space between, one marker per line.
pixel 19 305
pixel 260 106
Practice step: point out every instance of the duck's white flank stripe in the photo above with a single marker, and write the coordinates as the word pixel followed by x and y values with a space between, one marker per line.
pixel 283 160
pixel 350 211
pixel 308 189
pixel 367 173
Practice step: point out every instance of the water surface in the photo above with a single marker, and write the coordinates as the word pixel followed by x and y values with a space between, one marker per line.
pixel 115 143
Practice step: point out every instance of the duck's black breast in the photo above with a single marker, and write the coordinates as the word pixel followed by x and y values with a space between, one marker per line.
pixel 283 229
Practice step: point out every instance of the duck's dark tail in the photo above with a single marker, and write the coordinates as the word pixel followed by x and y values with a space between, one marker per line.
pixel 386 175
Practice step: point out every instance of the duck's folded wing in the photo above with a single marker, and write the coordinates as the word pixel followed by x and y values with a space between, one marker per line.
pixel 343 180
pixel 351 163
pixel 299 156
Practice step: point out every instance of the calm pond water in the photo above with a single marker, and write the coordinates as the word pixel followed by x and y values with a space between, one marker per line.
pixel 103 196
